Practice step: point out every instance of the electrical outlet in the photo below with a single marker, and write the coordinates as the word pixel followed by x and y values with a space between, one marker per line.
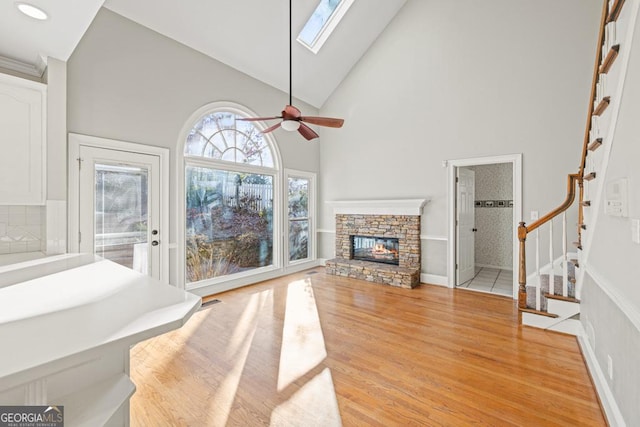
pixel 534 215
pixel 610 367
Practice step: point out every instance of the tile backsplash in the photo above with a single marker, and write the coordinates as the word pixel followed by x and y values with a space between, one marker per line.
pixel 22 229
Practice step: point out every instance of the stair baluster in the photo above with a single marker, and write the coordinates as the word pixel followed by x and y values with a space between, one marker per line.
pixel 538 281
pixel 565 257
pixel 551 259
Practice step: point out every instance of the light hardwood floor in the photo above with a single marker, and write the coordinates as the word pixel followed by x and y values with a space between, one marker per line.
pixel 316 350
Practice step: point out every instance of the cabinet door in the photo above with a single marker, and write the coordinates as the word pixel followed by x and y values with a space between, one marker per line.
pixel 22 141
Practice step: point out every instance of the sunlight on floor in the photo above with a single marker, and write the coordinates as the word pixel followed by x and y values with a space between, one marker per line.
pixel 238 350
pixel 302 340
pixel 314 404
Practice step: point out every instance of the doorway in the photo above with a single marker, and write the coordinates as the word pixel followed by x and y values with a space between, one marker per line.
pixel 117 203
pixel 484 198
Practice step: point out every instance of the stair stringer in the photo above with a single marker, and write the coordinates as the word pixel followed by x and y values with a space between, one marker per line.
pixel 608 140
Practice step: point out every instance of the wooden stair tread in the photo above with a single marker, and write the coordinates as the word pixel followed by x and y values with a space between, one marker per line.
pixel 602 106
pixel 614 12
pixel 534 311
pixel 590 176
pixel 579 246
pixel 609 59
pixel 595 144
pixel 562 298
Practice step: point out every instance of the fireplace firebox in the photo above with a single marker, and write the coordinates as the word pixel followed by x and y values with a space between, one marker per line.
pixel 377 249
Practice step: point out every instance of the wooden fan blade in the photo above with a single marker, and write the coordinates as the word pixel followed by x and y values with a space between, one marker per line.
pixel 272 128
pixel 307 132
pixel 291 112
pixel 323 121
pixel 256 119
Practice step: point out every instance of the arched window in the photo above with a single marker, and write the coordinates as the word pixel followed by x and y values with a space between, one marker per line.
pixel 231 190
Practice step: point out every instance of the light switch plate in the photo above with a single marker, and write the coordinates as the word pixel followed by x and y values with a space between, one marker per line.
pixel 635 230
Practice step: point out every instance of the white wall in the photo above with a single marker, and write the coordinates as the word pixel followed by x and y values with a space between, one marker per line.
pixel 460 79
pixel 129 83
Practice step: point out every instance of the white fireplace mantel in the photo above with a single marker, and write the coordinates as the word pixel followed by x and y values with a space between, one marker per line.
pixel 378 207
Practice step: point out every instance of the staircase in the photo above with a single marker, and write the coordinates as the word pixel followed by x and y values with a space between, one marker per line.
pixel 549 294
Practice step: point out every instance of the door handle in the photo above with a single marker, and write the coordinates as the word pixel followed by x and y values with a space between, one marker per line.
pixel 154 243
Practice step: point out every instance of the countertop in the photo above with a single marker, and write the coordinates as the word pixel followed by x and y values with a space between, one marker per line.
pixel 61 306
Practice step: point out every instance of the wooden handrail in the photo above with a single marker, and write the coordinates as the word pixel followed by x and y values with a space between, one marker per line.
pixel 523 230
pixel 594 82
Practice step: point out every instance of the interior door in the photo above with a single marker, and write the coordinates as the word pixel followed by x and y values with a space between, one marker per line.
pixel 119 207
pixel 465 229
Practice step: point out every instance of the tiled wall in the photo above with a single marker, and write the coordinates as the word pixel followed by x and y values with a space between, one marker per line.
pixel 493 240
pixel 22 229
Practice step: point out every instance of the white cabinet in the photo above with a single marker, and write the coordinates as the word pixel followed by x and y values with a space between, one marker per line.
pixel 22 141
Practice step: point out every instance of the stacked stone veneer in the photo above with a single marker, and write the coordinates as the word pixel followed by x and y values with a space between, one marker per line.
pixel 405 228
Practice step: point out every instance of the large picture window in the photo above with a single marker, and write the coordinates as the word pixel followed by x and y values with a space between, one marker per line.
pixel 230 195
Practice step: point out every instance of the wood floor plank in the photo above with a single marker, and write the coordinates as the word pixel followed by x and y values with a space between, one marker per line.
pixel 318 350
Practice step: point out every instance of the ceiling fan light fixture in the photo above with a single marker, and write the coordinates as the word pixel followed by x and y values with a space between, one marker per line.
pixel 290 125
pixel 32 11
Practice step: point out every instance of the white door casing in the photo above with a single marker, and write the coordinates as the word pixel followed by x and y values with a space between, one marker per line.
pixel 452 166
pixel 465 229
pixel 85 153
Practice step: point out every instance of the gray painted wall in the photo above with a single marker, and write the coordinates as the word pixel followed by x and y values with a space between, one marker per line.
pixel 460 79
pixel 611 295
pixel 129 83
pixel 494 238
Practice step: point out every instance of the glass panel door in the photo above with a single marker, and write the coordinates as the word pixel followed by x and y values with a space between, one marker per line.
pixel 119 208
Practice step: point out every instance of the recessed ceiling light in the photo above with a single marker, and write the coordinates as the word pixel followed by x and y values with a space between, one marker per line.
pixel 32 11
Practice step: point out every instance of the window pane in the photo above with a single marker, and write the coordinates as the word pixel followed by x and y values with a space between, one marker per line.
pixel 121 215
pixel 298 239
pixel 298 198
pixel 318 20
pixel 221 136
pixel 229 222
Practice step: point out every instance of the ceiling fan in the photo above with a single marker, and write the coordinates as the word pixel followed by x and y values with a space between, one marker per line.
pixel 292 118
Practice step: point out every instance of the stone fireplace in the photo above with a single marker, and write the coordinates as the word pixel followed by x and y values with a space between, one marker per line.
pixel 378 241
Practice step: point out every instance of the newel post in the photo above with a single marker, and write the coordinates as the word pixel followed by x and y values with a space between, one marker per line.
pixel 522 267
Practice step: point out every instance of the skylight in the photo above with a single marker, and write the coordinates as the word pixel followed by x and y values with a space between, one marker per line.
pixel 322 23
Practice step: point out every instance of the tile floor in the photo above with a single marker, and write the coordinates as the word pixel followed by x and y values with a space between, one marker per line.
pixel 492 280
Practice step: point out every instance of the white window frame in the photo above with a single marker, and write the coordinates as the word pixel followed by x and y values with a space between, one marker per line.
pixel 220 284
pixel 312 245
pixel 328 27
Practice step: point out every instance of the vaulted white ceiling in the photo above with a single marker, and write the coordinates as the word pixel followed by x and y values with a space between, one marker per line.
pixel 248 35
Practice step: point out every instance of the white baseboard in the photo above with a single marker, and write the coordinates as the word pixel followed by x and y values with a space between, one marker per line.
pixel 608 402
pixel 433 279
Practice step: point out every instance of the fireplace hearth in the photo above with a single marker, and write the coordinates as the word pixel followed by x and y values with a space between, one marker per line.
pixel 384 250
